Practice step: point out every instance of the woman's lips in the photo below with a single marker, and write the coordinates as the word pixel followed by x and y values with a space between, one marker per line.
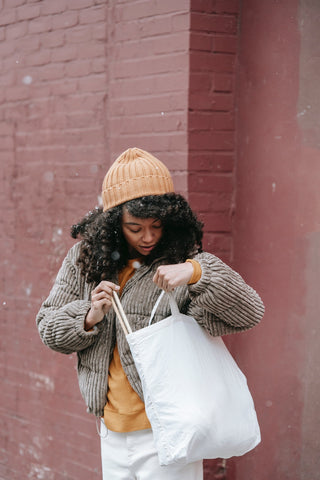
pixel 147 249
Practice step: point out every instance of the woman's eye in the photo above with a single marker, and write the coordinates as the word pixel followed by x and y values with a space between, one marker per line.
pixel 134 231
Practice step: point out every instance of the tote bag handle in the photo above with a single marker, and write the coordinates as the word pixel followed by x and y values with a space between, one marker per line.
pixel 122 316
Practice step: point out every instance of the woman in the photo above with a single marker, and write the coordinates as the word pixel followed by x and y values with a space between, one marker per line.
pixel 146 238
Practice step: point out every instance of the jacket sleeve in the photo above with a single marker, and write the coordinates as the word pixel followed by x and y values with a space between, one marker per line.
pixel 221 301
pixel 61 317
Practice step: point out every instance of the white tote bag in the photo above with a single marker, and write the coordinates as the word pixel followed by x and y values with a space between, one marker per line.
pixel 196 397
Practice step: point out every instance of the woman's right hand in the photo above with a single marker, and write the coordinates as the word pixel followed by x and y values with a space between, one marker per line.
pixel 101 302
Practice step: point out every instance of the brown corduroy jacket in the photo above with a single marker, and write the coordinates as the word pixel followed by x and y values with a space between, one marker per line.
pixel 220 301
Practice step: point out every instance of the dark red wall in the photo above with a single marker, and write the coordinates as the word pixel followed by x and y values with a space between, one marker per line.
pixel 276 231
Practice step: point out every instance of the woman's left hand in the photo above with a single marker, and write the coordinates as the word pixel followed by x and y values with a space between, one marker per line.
pixel 168 277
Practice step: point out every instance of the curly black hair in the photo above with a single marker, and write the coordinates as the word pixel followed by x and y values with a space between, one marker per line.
pixel 104 250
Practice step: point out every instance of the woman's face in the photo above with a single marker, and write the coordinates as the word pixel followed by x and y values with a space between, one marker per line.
pixel 141 234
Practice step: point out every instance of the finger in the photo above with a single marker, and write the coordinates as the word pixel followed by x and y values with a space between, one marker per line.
pixel 108 285
pixel 99 296
pixel 105 286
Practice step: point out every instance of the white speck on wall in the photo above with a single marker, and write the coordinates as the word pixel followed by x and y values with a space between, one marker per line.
pixel 48 176
pixel 42 381
pixel 28 289
pixel 30 450
pixel 93 168
pixel 40 472
pixel 274 187
pixel 27 80
pixel 57 234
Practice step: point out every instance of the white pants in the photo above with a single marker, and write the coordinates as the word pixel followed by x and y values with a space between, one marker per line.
pixel 132 456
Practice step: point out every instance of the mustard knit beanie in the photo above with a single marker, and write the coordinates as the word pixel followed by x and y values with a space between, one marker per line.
pixel 134 174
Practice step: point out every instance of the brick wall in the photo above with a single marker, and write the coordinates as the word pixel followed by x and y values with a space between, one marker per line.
pixel 148 67
pixel 211 118
pixel 81 80
pixel 53 141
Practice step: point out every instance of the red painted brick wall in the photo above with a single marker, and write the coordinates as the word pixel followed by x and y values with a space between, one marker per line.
pixel 148 68
pixel 53 144
pixel 211 119
pixel 81 80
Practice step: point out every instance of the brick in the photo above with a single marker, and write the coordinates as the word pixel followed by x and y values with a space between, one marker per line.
pixel 200 82
pixel 52 39
pixel 217 222
pixel 217 140
pixel 93 83
pixel 211 161
pixel 6 128
pixel 221 244
pixel 212 62
pixel 67 52
pixel 65 20
pixel 211 121
pixel 6 49
pixel 227 6
pixel 7 78
pixel 50 8
pixel 80 102
pixel 156 103
pixel 80 4
pixel 100 32
pixel 6 143
pixel 180 22
pixel 79 68
pixel 41 24
pixel 16 30
pixel 170 82
pixel 99 65
pixel 28 12
pixel 225 44
pixel 152 66
pixel 145 28
pixel 201 41
pixel 63 88
pixel 80 34
pixel 52 72
pixel 142 124
pixel 142 9
pixel 202 6
pixel 213 23
pixel 215 202
pixel 92 15
pixel 40 58
pixel 30 44
pixel 223 82
pixel 14 94
pixel 208 182
pixel 13 3
pixel 91 50
pixel 7 17
pixel 221 102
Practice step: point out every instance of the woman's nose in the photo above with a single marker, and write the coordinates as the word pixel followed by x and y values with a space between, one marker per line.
pixel 147 236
